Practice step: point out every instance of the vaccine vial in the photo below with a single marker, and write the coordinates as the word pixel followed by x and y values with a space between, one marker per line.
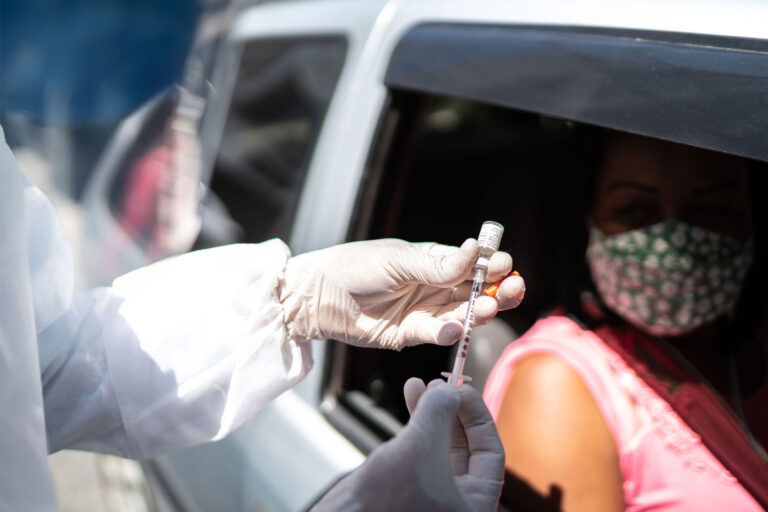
pixel 489 241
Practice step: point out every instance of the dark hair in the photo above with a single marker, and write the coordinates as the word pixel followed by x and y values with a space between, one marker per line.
pixel 754 296
pixel 578 286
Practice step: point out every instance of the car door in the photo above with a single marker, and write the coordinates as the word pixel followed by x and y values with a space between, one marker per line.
pixel 504 122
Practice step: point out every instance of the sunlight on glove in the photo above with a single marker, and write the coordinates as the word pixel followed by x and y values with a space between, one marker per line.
pixel 390 293
pixel 435 463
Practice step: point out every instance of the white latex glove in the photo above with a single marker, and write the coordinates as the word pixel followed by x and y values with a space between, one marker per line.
pixel 390 293
pixel 435 463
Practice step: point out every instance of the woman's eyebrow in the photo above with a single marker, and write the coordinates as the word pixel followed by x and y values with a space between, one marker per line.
pixel 634 185
pixel 717 189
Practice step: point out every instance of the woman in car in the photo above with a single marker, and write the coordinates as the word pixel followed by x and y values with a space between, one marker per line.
pixel 649 391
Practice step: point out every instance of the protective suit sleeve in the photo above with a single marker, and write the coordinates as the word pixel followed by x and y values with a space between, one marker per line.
pixel 174 354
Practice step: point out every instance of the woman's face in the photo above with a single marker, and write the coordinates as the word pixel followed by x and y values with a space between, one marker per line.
pixel 643 181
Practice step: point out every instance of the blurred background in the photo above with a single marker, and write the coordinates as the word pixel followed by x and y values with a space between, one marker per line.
pixel 81 80
pixel 122 112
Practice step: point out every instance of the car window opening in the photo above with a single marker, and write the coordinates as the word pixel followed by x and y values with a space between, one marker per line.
pixel 450 164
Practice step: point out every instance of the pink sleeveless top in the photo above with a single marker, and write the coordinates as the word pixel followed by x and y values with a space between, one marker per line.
pixel 663 462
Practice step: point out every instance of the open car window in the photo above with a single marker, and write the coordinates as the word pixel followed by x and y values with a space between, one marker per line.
pixel 466 139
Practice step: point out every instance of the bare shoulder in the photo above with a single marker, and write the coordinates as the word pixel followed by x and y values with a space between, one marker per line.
pixel 555 436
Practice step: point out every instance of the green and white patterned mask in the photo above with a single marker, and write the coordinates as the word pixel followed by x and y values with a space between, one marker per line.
pixel 668 278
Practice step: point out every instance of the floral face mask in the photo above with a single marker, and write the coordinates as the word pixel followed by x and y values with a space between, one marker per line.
pixel 668 278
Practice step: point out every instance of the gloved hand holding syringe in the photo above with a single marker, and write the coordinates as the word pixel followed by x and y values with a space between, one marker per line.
pixel 489 241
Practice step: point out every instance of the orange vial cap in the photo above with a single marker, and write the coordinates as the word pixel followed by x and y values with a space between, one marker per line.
pixel 491 290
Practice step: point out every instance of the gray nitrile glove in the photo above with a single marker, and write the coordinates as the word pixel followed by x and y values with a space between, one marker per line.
pixel 435 463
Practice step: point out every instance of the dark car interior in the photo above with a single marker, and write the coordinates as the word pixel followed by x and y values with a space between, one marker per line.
pixel 454 164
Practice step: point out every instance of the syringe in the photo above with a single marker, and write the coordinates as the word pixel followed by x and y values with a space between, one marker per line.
pixel 489 241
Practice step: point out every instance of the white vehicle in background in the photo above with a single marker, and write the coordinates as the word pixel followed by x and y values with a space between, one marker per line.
pixel 419 119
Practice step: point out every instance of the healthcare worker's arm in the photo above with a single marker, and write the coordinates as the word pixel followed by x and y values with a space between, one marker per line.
pixel 174 354
pixel 183 351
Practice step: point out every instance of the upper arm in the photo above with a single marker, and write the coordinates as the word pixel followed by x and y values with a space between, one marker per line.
pixel 556 439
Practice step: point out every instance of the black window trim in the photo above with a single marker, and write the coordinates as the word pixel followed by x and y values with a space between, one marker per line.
pixel 702 90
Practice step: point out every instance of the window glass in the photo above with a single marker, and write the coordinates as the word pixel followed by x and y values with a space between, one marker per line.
pixel 278 105
pixel 279 100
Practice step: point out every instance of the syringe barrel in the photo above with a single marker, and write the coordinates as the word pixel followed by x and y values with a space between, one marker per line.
pixel 469 322
pixel 489 241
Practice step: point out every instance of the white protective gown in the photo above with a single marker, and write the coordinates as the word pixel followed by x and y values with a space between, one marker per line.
pixel 174 354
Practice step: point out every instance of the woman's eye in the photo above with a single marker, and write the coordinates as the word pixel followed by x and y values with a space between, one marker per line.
pixel 726 219
pixel 633 214
pixel 714 211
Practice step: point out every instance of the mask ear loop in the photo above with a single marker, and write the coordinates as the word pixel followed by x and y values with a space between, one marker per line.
pixel 592 306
